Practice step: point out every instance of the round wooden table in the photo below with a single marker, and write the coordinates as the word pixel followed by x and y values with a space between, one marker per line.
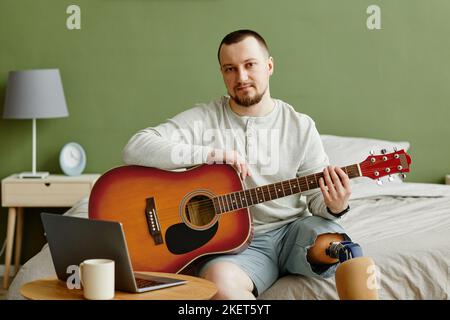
pixel 53 289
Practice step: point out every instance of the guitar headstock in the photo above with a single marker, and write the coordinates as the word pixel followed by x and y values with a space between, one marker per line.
pixel 385 164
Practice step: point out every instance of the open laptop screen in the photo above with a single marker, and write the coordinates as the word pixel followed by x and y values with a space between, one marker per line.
pixel 72 240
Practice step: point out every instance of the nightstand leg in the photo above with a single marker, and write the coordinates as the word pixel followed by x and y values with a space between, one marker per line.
pixel 18 241
pixel 9 244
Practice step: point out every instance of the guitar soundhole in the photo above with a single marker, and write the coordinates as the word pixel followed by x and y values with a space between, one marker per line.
pixel 199 211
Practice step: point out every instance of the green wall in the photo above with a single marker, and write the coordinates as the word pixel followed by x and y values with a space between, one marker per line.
pixel 135 63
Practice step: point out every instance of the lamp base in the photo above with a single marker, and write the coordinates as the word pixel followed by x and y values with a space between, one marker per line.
pixel 33 175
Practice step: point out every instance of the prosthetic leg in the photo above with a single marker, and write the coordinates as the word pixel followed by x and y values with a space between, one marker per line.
pixel 356 276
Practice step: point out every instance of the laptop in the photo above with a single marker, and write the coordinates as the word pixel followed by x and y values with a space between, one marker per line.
pixel 72 240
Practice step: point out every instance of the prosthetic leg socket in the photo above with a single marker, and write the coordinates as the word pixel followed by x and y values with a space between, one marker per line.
pixel 356 276
pixel 356 279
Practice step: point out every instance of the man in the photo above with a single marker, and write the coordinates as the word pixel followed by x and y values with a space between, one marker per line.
pixel 267 141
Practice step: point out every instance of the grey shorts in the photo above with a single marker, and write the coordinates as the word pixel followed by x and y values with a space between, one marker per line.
pixel 283 251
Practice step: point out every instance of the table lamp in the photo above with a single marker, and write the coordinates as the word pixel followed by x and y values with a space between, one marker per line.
pixel 34 94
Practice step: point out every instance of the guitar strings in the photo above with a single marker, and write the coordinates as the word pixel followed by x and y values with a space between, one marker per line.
pixel 272 193
pixel 285 184
pixel 206 206
pixel 258 194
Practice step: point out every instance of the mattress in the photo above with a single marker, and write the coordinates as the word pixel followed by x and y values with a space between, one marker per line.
pixel 404 227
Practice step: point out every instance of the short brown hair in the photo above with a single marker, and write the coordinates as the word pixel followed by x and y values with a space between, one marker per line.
pixel 239 35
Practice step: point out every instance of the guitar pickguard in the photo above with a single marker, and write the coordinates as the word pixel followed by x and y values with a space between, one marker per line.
pixel 181 239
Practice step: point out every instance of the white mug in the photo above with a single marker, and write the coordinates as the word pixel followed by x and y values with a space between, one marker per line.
pixel 97 279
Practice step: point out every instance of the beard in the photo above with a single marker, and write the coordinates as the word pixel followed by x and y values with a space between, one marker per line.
pixel 248 100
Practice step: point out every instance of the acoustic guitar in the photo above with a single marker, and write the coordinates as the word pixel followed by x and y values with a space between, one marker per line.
pixel 171 218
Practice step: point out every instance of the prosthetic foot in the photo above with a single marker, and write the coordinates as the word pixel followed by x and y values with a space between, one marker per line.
pixel 356 276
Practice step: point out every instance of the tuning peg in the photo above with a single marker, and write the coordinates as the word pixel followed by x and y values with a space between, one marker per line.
pixel 379 182
pixel 403 176
pixel 383 151
pixel 391 178
pixel 395 149
pixel 372 152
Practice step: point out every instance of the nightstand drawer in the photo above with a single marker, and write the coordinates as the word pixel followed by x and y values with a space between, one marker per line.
pixel 54 191
pixel 44 194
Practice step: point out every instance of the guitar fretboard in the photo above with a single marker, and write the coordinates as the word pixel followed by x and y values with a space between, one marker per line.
pixel 250 197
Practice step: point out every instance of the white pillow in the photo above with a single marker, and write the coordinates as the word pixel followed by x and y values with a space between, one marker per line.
pixel 344 151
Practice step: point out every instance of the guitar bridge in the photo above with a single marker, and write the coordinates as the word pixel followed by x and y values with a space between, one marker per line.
pixel 152 221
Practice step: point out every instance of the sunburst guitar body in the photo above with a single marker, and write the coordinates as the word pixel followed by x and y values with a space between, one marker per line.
pixel 169 217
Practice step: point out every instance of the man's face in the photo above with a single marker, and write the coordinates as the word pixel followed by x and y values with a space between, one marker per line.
pixel 246 69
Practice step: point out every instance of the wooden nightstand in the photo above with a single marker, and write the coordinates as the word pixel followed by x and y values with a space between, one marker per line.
pixel 52 191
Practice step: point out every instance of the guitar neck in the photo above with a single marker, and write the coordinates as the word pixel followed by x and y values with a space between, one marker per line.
pixel 250 197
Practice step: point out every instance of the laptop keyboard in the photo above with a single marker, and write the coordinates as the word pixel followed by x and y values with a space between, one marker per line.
pixel 144 283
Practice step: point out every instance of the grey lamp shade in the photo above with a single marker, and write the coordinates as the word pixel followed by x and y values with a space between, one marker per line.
pixel 35 94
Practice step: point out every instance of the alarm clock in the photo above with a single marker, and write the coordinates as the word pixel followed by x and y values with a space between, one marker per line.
pixel 72 159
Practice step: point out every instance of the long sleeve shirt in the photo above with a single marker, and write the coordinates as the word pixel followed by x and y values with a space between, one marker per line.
pixel 281 145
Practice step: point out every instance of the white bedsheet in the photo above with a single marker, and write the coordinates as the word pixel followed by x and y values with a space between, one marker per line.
pixel 404 227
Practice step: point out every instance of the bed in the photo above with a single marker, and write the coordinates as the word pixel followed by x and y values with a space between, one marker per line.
pixel 403 226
